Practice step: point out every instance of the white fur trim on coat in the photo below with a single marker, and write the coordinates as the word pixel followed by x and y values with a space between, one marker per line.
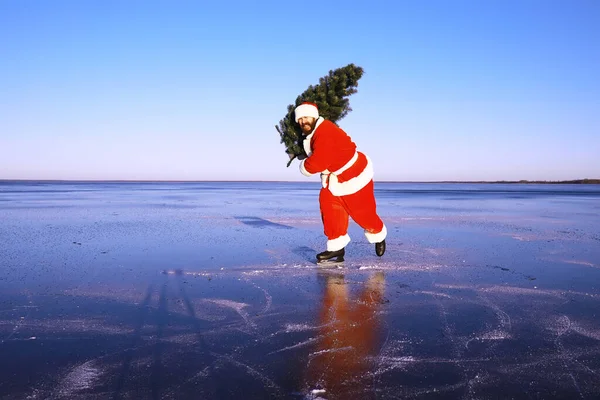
pixel 338 243
pixel 303 170
pixel 353 185
pixel 376 237
pixel 306 141
pixel 348 164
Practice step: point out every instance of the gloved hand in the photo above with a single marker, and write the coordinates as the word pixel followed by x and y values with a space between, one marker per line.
pixel 324 179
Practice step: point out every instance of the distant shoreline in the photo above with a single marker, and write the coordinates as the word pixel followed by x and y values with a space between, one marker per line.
pixel 575 181
pixel 567 182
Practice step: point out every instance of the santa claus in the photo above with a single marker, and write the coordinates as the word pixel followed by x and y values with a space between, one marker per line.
pixel 347 183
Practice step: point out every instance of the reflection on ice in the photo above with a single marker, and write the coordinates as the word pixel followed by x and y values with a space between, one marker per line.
pixel 349 337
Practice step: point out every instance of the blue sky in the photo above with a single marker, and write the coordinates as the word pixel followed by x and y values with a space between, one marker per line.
pixel 192 90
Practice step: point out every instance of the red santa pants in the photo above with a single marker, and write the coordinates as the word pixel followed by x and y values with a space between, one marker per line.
pixel 361 206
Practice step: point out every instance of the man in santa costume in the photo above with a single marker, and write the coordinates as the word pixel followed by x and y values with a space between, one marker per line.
pixel 347 180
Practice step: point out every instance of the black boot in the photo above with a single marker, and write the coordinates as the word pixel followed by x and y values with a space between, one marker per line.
pixel 327 256
pixel 380 248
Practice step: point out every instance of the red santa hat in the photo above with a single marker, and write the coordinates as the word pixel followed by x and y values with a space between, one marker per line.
pixel 306 109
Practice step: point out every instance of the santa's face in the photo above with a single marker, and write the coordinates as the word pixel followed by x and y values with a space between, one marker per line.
pixel 307 124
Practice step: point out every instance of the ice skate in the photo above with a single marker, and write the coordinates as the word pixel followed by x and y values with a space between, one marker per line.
pixel 331 257
pixel 380 248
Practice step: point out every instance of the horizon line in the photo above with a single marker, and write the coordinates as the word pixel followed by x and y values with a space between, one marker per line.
pixel 288 181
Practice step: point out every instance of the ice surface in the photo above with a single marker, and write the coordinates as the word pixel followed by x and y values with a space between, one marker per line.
pixel 175 290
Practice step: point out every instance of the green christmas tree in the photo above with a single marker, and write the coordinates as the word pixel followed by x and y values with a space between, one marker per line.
pixel 330 96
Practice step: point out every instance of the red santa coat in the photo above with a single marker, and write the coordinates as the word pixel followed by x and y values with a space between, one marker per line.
pixel 347 180
pixel 332 153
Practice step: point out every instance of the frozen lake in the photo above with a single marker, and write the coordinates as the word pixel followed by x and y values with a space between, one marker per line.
pixel 114 290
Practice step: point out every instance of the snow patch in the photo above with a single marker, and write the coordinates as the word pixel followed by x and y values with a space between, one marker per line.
pixel 298 327
pixel 254 273
pixel 80 378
